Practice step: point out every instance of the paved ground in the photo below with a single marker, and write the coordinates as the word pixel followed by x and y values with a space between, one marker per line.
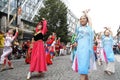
pixel 60 70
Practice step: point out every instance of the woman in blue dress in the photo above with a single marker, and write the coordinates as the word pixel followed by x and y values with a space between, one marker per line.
pixel 107 42
pixel 84 44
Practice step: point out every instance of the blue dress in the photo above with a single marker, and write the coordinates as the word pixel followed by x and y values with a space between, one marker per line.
pixel 108 47
pixel 85 48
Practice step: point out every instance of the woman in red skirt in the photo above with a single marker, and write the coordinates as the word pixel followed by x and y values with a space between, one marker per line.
pixel 38 57
pixel 48 56
pixel 28 54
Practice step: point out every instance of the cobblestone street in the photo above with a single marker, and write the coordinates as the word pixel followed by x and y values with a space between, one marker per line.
pixel 60 70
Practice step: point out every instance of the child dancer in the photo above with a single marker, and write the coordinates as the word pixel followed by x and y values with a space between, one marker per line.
pixel 107 41
pixel 8 48
pixel 28 54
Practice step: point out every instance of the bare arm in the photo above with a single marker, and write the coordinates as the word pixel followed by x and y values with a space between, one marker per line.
pixel 111 33
pixel 16 34
pixel 89 19
pixel 107 28
pixel 32 40
pixel 44 30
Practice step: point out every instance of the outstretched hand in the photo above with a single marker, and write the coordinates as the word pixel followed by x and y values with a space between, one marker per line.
pixel 86 11
pixel 89 19
pixel 106 28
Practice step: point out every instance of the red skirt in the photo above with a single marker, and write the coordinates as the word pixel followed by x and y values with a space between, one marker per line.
pixel 38 57
pixel 28 56
pixel 48 59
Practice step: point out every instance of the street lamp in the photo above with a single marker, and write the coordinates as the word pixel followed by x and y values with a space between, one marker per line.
pixel 17 13
pixel 8 16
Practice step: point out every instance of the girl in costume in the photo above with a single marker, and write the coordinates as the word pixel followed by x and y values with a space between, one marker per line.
pixel 52 47
pixel 38 56
pixel 28 54
pixel 84 43
pixel 100 54
pixel 8 48
pixel 107 42
pixel 57 46
pixel 48 56
pixel 47 49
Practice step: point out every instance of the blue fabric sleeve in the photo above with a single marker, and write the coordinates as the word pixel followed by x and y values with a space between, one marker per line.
pixel 112 40
pixel 91 39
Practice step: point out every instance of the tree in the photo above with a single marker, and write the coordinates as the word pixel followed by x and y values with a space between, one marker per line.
pixel 55 12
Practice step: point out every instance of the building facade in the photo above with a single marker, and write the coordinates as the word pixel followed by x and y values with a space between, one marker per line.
pixel 19 12
pixel 72 21
pixel 22 13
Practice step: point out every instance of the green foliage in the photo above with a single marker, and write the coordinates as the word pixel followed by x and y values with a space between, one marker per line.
pixel 55 12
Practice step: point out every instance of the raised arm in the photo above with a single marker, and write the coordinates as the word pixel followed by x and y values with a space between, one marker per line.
pixel 16 34
pixel 44 30
pixel 111 33
pixel 89 19
pixel 33 40
pixel 107 28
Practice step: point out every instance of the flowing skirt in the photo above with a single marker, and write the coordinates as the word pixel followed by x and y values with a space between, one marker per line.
pixel 49 59
pixel 101 55
pixel 28 56
pixel 83 55
pixel 92 64
pixel 38 57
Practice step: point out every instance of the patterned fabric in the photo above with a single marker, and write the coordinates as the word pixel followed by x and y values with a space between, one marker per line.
pixel 73 38
pixel 108 47
pixel 84 52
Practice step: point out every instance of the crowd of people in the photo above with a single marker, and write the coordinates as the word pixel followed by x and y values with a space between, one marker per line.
pixel 86 48
pixel 37 53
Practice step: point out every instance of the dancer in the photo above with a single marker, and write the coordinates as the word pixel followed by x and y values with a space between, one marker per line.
pixel 57 46
pixel 52 45
pixel 47 49
pixel 7 48
pixel 38 56
pixel 100 54
pixel 49 41
pixel 107 41
pixel 84 43
pixel 28 54
pixel 48 56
